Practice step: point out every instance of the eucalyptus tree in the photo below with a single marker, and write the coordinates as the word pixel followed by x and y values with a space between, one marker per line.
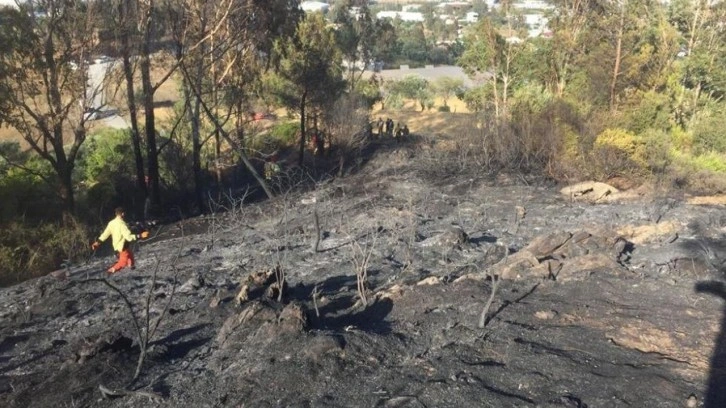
pixel 43 84
pixel 488 53
pixel 355 34
pixel 226 49
pixel 310 69
pixel 702 58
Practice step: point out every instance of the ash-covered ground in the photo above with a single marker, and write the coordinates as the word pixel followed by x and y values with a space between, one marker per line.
pixel 603 299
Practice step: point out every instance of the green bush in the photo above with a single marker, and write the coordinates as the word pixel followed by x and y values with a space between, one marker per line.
pixel 619 152
pixel 108 156
pixel 444 109
pixel 711 161
pixel 29 251
pixel 709 135
pixel 657 152
pixel 27 195
pixel 652 112
pixel 285 132
pixel 280 136
pixel 106 168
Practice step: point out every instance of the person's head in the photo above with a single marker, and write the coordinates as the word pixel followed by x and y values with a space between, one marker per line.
pixel 120 212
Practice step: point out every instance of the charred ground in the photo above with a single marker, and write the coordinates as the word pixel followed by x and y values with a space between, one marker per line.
pixel 610 303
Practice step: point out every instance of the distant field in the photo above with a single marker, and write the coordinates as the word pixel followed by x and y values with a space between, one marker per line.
pixel 9 134
pixel 430 122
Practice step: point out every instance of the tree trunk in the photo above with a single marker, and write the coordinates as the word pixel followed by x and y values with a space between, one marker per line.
pixel 65 172
pixel 125 14
pixel 152 154
pixel 194 113
pixel 618 57
pixel 302 128
pixel 231 141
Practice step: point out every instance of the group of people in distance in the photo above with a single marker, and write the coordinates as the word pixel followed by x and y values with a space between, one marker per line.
pixel 317 143
pixel 387 128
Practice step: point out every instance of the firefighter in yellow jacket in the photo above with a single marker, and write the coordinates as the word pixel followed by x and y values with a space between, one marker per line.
pixel 120 237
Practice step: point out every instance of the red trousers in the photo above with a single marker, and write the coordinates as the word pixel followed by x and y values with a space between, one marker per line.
pixel 125 258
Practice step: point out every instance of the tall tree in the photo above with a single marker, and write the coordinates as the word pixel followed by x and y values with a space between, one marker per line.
pixel 487 52
pixel 414 87
pixel 140 27
pixel 355 34
pixel 126 29
pixel 446 87
pixel 703 56
pixel 568 22
pixel 44 81
pixel 311 67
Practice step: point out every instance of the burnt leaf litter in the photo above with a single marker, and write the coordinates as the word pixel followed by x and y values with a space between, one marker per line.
pixel 605 300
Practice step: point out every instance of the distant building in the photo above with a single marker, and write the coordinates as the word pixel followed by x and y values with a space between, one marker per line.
pixel 533 5
pixel 314 6
pixel 536 24
pixel 403 15
pixel 454 4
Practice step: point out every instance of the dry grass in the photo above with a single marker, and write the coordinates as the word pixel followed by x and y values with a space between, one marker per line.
pixel 11 135
pixel 429 122
pixel 708 200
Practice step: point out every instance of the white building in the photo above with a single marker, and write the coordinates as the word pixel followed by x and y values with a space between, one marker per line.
pixel 536 24
pixel 403 15
pixel 313 6
pixel 454 4
pixel 533 5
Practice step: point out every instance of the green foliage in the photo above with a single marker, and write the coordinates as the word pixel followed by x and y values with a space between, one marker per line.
pixel 285 132
pixel 385 42
pixel 530 99
pixel 709 135
pixel 311 65
pixel 413 87
pixel 25 195
pixel 28 251
pixel 281 136
pixel 618 152
pixel 658 147
pixel 26 188
pixel 413 43
pixel 652 111
pixel 369 90
pixel 444 108
pixel 483 48
pixel 447 87
pixel 710 161
pixel 682 140
pixel 355 35
pixel 108 156
pixel 476 98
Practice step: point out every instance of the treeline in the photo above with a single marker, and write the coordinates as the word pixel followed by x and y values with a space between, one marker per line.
pixel 630 88
pixel 228 60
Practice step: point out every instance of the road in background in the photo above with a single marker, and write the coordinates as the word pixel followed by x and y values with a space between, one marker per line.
pixel 108 115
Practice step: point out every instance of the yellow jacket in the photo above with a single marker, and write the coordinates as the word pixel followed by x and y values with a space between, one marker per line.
pixel 119 233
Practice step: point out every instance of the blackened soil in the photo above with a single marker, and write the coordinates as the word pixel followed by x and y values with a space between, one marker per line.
pixel 635 324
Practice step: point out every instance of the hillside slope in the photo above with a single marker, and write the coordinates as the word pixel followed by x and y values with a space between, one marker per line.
pixel 606 304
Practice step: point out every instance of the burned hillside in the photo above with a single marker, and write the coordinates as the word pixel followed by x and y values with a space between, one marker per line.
pixel 600 300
